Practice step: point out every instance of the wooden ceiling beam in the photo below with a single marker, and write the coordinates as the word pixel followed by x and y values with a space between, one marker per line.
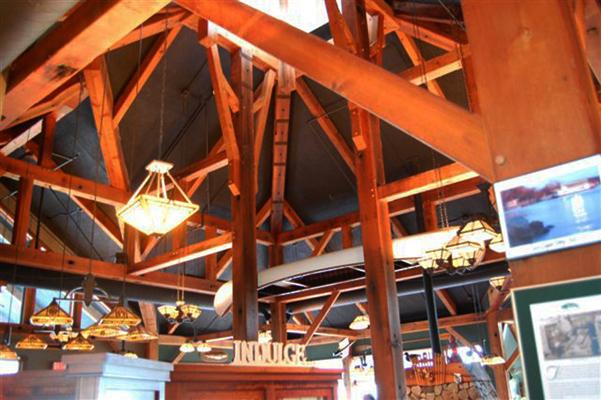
pixel 440 124
pixel 183 254
pixel 101 269
pixel 320 317
pixel 295 220
pixel 153 26
pixel 63 182
pixel 226 122
pixel 446 299
pixel 261 104
pixel 323 243
pixel 393 23
pixel 427 71
pixel 67 94
pixel 425 182
pixel 84 35
pixel 326 124
pixel 101 98
pixel 139 78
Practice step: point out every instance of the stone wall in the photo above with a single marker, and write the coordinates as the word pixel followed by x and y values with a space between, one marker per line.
pixel 478 390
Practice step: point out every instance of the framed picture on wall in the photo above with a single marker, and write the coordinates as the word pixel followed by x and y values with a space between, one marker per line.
pixel 559 327
pixel 551 209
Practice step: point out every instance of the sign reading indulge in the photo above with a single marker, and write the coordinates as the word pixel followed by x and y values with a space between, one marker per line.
pixel 274 353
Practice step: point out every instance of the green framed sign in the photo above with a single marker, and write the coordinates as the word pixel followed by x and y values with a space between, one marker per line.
pixel 559 327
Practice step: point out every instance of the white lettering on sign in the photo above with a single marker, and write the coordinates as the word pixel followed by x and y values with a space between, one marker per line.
pixel 274 353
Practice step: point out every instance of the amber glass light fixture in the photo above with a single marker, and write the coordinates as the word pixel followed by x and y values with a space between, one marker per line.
pixel 129 354
pixel 180 313
pixel 492 359
pixel 102 331
pixel 31 342
pixel 497 244
pixel 78 343
pixel 497 281
pixel 461 247
pixel 120 316
pixel 360 323
pixel 187 347
pixel 138 334
pixel 203 347
pixel 477 230
pixel 215 356
pixel 265 337
pixel 52 315
pixel 150 210
pixel 7 354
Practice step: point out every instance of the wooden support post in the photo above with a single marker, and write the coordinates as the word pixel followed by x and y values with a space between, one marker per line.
pixel 211 259
pixel 494 341
pixel 23 212
pixel 543 130
pixel 2 93
pixel 347 363
pixel 149 317
pixel 245 302
pixel 278 322
pixel 28 306
pixel 77 312
pixel 382 301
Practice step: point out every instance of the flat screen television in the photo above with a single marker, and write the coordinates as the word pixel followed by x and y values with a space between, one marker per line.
pixel 551 209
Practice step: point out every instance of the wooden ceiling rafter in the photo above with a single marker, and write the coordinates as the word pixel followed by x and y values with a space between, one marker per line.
pixel 83 36
pixel 326 124
pixel 102 269
pixel 226 122
pixel 139 78
pixel 101 99
pixel 183 254
pixel 446 127
pixel 320 317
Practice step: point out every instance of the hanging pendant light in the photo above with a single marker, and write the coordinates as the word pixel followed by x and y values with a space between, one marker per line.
pixel 477 230
pixel 214 356
pixel 497 282
pixel 138 334
pixel 497 244
pixel 102 331
pixel 7 354
pixel 52 315
pixel 492 359
pixel 31 342
pixel 120 316
pixel 78 343
pixel 150 210
pixel 187 347
pixel 129 354
pixel 203 347
pixel 440 256
pixel 360 323
pixel 460 247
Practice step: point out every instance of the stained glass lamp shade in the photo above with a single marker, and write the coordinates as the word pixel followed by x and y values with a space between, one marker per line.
pixel 477 230
pixel 120 316
pixel 6 353
pixel 190 311
pixel 459 246
pixel 492 359
pixel 187 347
pixel 436 258
pixel 31 342
pixel 203 347
pixel 360 323
pixel 129 354
pixel 215 356
pixel 78 343
pixel 102 331
pixel 138 334
pixel 150 210
pixel 52 315
pixel 497 244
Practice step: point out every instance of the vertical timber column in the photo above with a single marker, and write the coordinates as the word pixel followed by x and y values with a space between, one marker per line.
pixel 542 112
pixel 382 301
pixel 278 322
pixel 244 248
pixel 23 211
pixel 494 341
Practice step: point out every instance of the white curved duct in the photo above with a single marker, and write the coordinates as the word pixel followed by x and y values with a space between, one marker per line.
pixel 408 248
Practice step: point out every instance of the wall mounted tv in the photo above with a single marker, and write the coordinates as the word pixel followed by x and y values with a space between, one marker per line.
pixel 551 209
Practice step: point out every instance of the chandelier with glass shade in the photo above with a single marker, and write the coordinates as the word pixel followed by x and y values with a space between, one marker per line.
pixel 361 322
pixel 151 210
